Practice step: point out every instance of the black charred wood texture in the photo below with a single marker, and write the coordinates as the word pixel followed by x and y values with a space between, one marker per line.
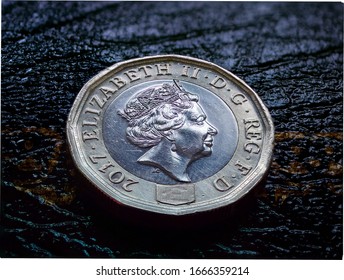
pixel 289 53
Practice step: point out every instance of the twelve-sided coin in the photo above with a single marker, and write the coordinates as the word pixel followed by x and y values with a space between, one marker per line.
pixel 170 134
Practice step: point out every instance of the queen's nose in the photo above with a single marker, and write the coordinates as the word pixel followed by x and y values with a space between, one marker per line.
pixel 211 129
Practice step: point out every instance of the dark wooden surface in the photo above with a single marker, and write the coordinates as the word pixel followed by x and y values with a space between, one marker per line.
pixel 289 53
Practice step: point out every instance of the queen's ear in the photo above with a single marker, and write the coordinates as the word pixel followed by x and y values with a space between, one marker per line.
pixel 169 135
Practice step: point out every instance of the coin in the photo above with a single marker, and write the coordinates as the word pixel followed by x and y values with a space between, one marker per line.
pixel 170 134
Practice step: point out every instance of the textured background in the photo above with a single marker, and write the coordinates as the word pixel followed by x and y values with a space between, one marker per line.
pixel 289 53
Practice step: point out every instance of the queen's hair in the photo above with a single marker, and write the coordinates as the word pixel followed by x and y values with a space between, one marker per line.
pixel 148 129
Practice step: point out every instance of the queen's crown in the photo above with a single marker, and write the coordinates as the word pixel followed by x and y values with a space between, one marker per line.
pixel 151 98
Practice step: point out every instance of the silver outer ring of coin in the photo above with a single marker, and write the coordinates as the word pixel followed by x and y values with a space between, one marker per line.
pixel 245 167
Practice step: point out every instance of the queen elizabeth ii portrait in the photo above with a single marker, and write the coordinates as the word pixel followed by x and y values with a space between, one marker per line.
pixel 172 124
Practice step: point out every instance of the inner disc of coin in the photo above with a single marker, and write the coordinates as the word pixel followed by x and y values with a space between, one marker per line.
pixel 158 128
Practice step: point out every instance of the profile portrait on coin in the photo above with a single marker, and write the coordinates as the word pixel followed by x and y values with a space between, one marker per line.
pixel 171 122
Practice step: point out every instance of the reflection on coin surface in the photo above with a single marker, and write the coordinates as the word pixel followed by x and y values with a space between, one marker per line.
pixel 170 134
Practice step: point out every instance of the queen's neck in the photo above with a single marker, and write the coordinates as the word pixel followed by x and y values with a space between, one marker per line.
pixel 169 161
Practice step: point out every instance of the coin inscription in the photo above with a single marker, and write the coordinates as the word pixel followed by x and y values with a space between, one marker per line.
pixel 170 134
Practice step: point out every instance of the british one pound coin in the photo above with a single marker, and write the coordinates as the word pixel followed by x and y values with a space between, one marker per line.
pixel 170 134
